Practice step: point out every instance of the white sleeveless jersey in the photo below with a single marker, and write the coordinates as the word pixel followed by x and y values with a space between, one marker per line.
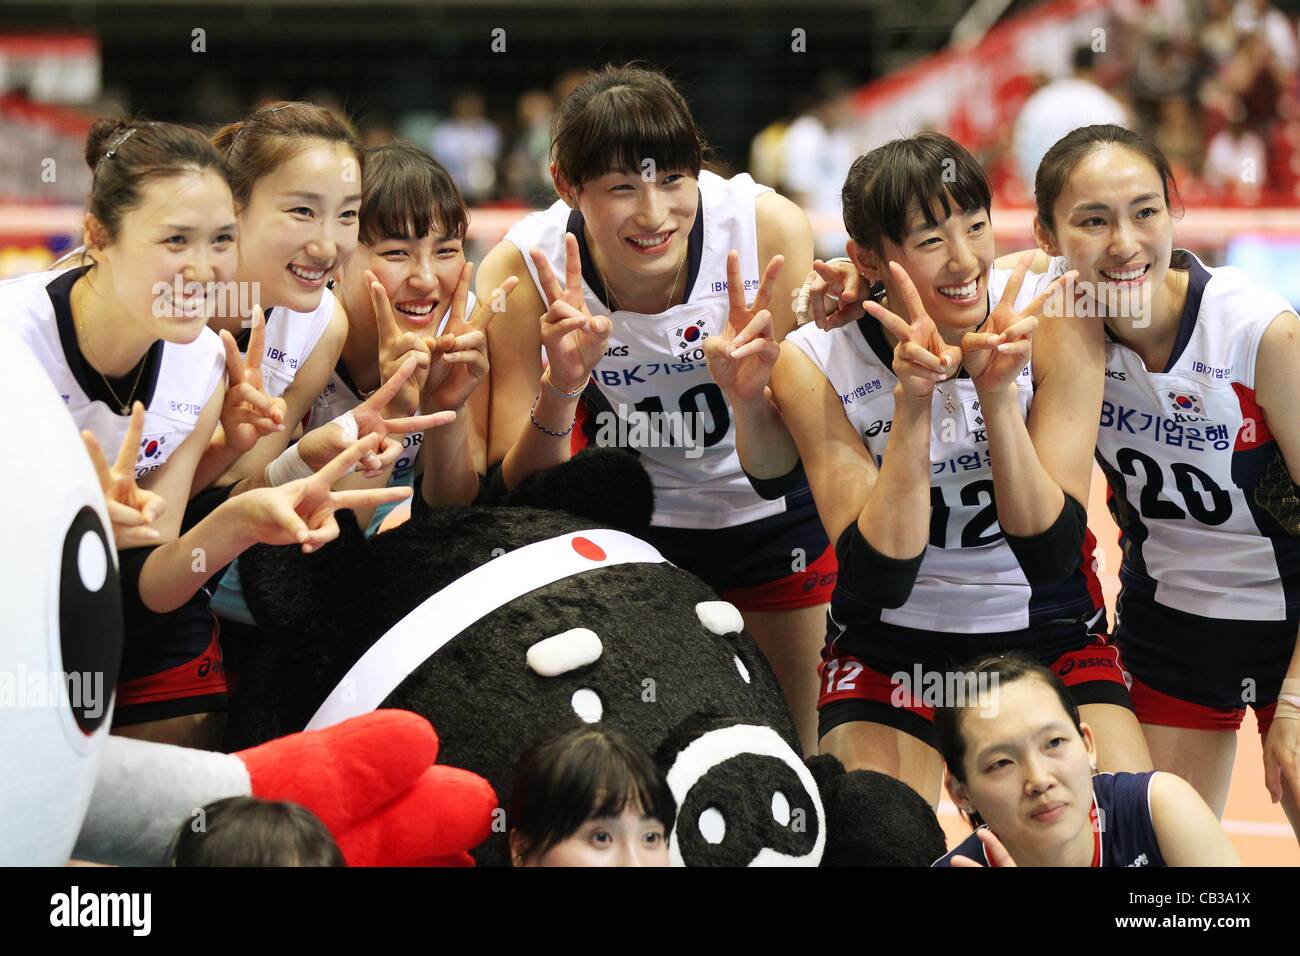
pixel 662 400
pixel 1208 512
pixel 290 338
pixel 969 581
pixel 339 397
pixel 181 381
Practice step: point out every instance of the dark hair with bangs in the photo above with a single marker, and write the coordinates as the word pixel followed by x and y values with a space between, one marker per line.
pixel 583 774
pixel 620 116
pixel 1056 168
pixel 921 171
pixel 1005 670
pixel 407 194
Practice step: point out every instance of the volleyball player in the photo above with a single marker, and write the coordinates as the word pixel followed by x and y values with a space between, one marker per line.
pixel 642 234
pixel 1200 444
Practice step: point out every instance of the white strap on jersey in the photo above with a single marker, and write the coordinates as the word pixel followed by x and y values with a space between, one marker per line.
pixel 423 632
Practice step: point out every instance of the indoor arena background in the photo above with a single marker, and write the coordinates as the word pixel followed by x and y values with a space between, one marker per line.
pixel 790 95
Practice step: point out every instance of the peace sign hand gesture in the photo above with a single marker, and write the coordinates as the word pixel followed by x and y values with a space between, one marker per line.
pixel 574 339
pixel 302 511
pixel 320 445
pixel 460 359
pixel 131 509
pixel 741 359
pixel 921 357
pixel 995 355
pixel 248 412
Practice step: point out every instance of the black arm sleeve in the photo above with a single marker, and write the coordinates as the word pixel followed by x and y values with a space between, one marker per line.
pixel 873 577
pixel 1053 555
pixel 771 489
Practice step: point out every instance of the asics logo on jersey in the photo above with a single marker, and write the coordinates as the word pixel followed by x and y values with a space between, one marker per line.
pixel 1117 376
pixel 1083 662
pixel 878 426
pixel 616 351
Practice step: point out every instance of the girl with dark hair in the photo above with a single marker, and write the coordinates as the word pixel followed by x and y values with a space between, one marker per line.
pixel 590 797
pixel 140 371
pixel 407 294
pixel 1022 767
pixel 245 831
pixel 660 257
pixel 1200 445
pixel 949 469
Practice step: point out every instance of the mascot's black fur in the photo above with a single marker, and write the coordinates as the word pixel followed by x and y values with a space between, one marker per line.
pixel 662 675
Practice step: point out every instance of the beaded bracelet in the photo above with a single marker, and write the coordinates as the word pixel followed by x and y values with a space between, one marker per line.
pixel 570 396
pixel 540 427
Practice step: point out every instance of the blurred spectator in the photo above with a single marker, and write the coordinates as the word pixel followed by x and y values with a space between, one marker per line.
pixel 1179 136
pixel 1236 163
pixel 817 154
pixel 1272 25
pixel 468 144
pixel 527 167
pixel 1218 37
pixel 1165 68
pixel 1059 107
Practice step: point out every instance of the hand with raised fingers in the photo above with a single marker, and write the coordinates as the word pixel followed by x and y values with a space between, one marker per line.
pixel 574 339
pixel 921 358
pixel 460 356
pixel 831 295
pixel 131 509
pixel 302 512
pixel 993 849
pixel 741 359
pixel 996 354
pixel 396 346
pixel 322 444
pixel 247 411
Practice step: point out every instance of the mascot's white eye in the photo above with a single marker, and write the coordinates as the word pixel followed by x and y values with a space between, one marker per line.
pixel 780 809
pixel 586 704
pixel 720 617
pixel 744 671
pixel 92 562
pixel 713 826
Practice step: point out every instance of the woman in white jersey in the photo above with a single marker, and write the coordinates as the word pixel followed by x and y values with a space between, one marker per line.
pixel 406 291
pixel 112 334
pixel 643 234
pixel 1200 444
pixel 949 469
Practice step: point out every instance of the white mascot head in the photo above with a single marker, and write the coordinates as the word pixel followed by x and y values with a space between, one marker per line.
pixel 60 618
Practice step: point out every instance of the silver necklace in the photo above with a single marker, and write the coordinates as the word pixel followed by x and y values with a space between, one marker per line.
pixel 609 289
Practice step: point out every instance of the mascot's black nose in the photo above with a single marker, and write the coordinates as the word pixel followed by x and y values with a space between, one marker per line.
pixel 742 806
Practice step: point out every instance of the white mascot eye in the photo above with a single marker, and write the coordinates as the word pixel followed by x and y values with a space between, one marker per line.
pixel 780 809
pixel 586 704
pixel 92 562
pixel 713 826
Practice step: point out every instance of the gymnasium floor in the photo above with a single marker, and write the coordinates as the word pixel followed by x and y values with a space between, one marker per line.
pixel 1258 828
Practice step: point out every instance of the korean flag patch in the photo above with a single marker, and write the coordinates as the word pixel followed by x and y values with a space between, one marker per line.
pixel 686 339
pixel 1186 403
